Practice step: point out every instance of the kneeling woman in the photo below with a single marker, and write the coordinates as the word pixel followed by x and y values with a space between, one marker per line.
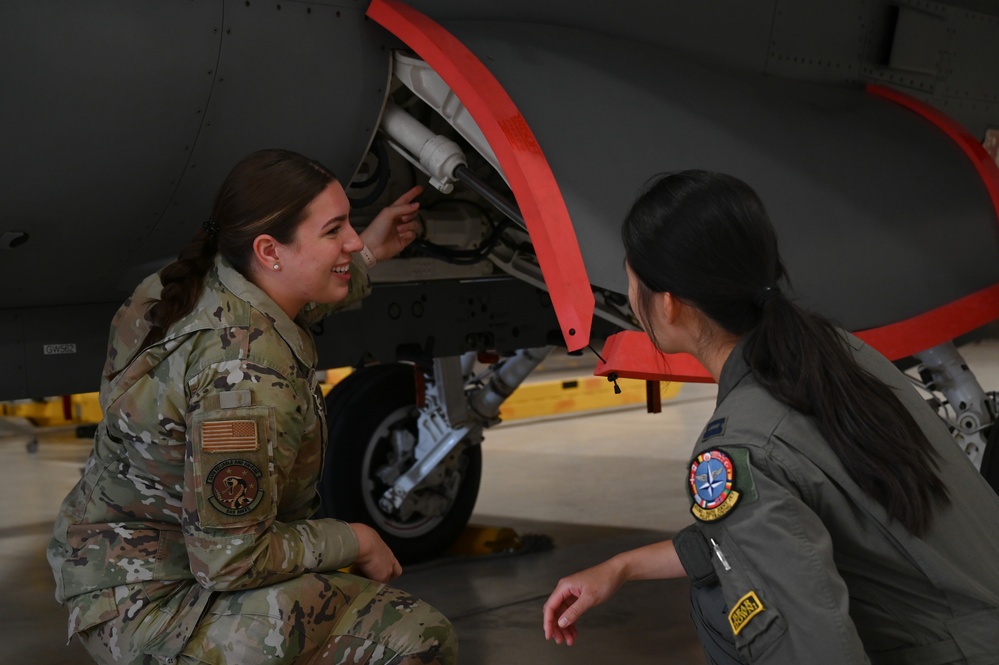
pixel 188 538
pixel 836 519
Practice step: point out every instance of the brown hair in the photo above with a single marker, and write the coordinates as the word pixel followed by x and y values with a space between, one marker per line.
pixel 266 192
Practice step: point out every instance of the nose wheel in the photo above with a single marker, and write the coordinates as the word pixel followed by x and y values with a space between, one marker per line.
pixel 373 438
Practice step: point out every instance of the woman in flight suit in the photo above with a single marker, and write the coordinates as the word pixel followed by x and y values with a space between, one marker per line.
pixel 188 538
pixel 835 519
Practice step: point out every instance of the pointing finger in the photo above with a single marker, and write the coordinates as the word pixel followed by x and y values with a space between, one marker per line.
pixel 408 196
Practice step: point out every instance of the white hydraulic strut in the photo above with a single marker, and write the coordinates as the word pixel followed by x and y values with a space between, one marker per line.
pixel 434 154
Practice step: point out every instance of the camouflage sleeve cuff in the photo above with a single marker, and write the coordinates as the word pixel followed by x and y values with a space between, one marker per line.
pixel 695 556
pixel 340 545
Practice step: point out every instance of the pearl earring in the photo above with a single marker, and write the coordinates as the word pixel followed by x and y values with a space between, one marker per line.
pixel 277 267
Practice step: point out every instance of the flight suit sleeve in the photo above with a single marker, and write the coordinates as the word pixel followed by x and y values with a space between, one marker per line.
pixel 773 557
pixel 245 423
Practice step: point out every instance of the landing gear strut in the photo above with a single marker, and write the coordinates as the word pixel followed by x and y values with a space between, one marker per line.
pixel 373 432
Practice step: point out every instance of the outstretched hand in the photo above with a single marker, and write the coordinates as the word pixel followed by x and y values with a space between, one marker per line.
pixel 576 594
pixel 394 227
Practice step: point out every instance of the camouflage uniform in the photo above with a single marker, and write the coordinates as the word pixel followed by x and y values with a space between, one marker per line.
pixel 187 539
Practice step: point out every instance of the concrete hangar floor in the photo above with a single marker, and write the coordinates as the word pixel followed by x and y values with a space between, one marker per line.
pixel 594 482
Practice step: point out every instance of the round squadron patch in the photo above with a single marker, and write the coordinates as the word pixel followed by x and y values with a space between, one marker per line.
pixel 712 478
pixel 235 487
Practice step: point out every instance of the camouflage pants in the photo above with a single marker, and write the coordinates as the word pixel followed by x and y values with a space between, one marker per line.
pixel 312 619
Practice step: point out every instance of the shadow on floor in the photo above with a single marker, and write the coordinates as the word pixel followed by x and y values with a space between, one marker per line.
pixel 495 602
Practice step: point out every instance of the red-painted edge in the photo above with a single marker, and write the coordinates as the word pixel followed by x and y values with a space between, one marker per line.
pixel 519 155
pixel 632 355
pixel 982 160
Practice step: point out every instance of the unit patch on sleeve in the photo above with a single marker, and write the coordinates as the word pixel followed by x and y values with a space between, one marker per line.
pixel 747 608
pixel 711 482
pixel 234 486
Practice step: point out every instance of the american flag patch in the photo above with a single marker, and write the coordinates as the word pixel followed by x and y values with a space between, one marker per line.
pixel 226 436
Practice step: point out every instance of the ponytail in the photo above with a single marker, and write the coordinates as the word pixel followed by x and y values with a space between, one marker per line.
pixel 706 238
pixel 802 360
pixel 182 283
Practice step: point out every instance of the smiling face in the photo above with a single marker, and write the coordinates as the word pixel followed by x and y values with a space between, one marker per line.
pixel 315 265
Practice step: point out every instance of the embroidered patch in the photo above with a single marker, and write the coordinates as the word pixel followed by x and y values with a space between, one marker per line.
pixel 747 607
pixel 228 436
pixel 714 428
pixel 235 487
pixel 711 481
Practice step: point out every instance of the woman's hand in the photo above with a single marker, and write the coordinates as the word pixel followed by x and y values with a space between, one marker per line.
pixel 394 227
pixel 374 558
pixel 576 594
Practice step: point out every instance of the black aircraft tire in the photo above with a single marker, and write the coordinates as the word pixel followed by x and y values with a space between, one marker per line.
pixel 360 407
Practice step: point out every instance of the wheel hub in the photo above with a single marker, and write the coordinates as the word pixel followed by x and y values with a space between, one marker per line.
pixel 388 455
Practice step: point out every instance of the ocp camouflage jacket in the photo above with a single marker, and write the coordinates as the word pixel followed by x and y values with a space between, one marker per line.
pixel 205 466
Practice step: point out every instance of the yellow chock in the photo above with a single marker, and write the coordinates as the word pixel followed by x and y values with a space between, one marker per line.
pixel 478 540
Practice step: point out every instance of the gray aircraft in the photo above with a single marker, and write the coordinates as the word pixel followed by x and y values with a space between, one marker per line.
pixel 532 126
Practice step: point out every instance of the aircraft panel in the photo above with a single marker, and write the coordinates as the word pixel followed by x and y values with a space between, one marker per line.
pixel 943 54
pixel 610 114
pixel 446 318
pixel 822 40
pixel 969 69
pixel 83 84
pixel 306 77
pixel 734 32
pixel 13 374
pixel 67 353
pixel 143 108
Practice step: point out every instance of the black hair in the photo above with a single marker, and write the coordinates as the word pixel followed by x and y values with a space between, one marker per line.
pixel 706 238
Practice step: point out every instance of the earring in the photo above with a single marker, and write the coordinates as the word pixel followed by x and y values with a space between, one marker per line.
pixel 277 267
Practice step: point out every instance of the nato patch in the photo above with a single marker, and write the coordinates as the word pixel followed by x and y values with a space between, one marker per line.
pixel 235 487
pixel 712 482
pixel 714 428
pixel 747 608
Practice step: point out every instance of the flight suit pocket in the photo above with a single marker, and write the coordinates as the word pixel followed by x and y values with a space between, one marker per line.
pixel 753 617
pixel 233 458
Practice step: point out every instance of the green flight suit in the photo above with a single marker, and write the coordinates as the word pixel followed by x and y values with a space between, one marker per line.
pixel 811 568
pixel 188 538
